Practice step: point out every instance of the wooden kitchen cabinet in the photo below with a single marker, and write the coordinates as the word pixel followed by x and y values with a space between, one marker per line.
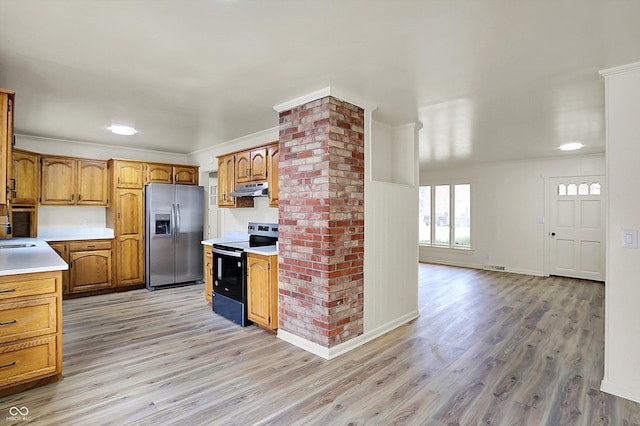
pixel 128 226
pixel 62 249
pixel 31 332
pixel 89 265
pixel 74 181
pixel 251 166
pixel 92 183
pixel 58 186
pixel 7 98
pixel 168 173
pixel 262 290
pixel 273 173
pixel 25 178
pixel 127 174
pixel 227 183
pixel 208 273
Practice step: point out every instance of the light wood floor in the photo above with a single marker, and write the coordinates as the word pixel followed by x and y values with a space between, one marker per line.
pixel 488 348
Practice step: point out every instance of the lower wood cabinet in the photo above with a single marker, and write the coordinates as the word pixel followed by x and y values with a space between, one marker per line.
pixel 90 266
pixel 262 290
pixel 31 331
pixel 208 273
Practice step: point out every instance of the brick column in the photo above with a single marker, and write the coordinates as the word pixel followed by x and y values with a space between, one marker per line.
pixel 321 221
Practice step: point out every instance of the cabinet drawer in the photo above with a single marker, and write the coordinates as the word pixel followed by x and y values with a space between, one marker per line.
pixel 27 360
pixel 90 245
pixel 27 318
pixel 27 285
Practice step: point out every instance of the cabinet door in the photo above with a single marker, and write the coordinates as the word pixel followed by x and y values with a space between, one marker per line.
pixel 259 164
pixel 273 174
pixel 93 187
pixel 208 273
pixel 89 270
pixel 243 167
pixel 258 289
pixel 130 217
pixel 25 181
pixel 6 138
pixel 129 237
pixel 130 268
pixel 159 173
pixel 185 175
pixel 226 181
pixel 58 186
pixel 128 174
pixel 61 248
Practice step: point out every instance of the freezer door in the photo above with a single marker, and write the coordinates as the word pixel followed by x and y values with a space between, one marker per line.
pixel 189 204
pixel 160 230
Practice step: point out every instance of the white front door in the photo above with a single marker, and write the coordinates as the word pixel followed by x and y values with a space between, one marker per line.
pixel 577 227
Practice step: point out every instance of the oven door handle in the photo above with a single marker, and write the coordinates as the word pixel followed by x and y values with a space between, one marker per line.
pixel 226 252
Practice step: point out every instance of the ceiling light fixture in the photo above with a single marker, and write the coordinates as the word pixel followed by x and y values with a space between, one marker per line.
pixel 120 129
pixel 571 146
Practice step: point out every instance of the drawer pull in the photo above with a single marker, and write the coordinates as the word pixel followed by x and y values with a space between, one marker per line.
pixel 91 246
pixel 11 364
pixel 8 290
pixel 8 322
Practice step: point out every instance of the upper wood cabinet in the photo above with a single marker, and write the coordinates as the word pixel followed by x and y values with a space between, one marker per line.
pixel 58 185
pixel 226 181
pixel 168 173
pixel 273 174
pixel 185 175
pixel 93 183
pixel 24 180
pixel 6 140
pixel 251 165
pixel 127 174
pixel 71 181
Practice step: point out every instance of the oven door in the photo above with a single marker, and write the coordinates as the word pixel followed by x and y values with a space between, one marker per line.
pixel 228 273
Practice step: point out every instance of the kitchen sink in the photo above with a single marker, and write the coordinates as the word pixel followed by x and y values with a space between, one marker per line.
pixel 13 246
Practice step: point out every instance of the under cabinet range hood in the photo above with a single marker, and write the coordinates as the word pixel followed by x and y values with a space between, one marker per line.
pixel 259 189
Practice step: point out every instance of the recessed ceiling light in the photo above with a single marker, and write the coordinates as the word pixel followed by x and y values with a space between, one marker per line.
pixel 119 129
pixel 571 146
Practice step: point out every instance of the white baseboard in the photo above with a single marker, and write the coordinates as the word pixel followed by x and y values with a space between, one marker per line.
pixel 477 266
pixel 632 394
pixel 333 352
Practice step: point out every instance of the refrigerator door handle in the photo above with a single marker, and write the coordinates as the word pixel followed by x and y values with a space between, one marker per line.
pixel 178 223
pixel 173 222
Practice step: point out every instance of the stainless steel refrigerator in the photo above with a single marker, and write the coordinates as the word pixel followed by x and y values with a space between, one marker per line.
pixel 174 217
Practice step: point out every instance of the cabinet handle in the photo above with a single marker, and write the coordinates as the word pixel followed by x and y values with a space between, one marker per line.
pixel 11 364
pixel 91 246
pixel 8 322
pixel 8 290
pixel 175 178
pixel 13 187
pixel 79 197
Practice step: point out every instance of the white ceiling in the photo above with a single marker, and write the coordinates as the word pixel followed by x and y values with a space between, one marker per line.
pixel 488 79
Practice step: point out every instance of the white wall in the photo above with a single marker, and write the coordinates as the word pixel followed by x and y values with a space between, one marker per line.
pixel 95 151
pixel 622 314
pixel 507 200
pixel 391 229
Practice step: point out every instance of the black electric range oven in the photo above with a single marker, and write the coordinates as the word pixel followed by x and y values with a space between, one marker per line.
pixel 229 297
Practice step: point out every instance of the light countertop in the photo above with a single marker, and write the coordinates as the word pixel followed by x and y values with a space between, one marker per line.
pixel 68 234
pixel 26 260
pixel 265 250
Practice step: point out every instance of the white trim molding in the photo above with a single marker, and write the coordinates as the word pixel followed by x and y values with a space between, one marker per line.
pixel 324 92
pixel 333 352
pixel 620 70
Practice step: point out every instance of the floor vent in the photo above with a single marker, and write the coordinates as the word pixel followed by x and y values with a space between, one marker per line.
pixel 493 267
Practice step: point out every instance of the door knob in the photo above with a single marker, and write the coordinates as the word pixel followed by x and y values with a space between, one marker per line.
pixel 553 234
